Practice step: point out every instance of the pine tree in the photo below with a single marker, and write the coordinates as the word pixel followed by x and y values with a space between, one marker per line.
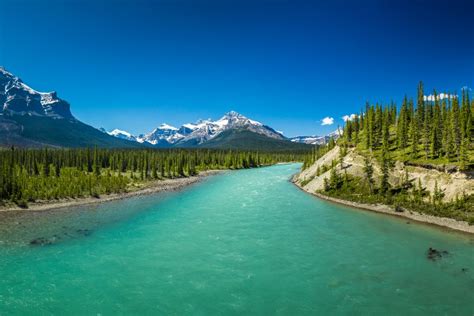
pixel 420 105
pixel 427 131
pixel 402 125
pixel 414 136
pixel 369 172
pixel 384 184
pixel 96 166
pixel 435 141
pixel 463 155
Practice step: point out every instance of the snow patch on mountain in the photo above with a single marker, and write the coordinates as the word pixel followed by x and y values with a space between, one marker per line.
pixel 16 97
pixel 317 140
pixel 122 134
pixel 204 130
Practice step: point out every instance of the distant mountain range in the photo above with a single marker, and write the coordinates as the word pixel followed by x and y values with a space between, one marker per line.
pixel 205 133
pixel 316 140
pixel 199 133
pixel 29 118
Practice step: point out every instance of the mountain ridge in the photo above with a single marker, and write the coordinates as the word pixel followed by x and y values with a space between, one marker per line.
pixel 30 118
pixel 203 131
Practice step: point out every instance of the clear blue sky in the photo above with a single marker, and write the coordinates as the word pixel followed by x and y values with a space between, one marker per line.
pixel 136 64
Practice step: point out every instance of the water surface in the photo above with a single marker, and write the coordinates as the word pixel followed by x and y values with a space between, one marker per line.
pixel 244 242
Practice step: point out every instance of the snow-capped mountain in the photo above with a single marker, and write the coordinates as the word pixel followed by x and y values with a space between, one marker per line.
pixel 122 135
pixel 18 98
pixel 200 132
pixel 317 140
pixel 195 134
pixel 313 140
pixel 29 118
pixel 163 134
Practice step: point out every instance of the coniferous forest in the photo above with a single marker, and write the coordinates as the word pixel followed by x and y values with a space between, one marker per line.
pixel 28 175
pixel 434 132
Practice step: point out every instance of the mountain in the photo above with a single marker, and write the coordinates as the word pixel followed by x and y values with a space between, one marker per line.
pixel 29 118
pixel 163 136
pixel 316 140
pixel 201 133
pixel 121 134
pixel 204 131
pixel 18 98
pixel 248 140
pixel 313 140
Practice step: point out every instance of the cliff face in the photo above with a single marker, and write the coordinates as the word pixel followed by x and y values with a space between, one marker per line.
pixel 452 184
pixel 18 98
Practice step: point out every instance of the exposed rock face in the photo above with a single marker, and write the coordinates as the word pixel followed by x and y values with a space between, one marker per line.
pixel 18 98
pixel 452 184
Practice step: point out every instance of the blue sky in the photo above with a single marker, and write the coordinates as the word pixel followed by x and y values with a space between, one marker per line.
pixel 289 64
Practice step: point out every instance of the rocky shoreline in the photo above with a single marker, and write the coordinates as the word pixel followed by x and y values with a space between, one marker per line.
pixel 443 222
pixel 153 187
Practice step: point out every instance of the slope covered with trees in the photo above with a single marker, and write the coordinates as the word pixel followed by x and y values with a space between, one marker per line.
pixel 242 139
pixel 438 131
pixel 36 131
pixel 419 156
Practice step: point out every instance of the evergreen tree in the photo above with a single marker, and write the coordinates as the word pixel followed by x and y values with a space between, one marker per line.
pixel 369 172
pixel 384 184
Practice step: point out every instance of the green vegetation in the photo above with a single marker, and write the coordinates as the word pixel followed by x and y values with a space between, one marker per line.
pixel 405 197
pixel 247 140
pixel 40 131
pixel 317 152
pixel 28 175
pixel 435 133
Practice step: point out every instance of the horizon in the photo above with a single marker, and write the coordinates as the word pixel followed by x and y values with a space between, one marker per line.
pixel 297 67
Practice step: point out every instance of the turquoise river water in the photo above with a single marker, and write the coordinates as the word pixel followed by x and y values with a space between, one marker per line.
pixel 242 242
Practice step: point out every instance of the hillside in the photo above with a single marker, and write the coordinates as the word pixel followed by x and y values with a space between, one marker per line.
pixel 415 158
pixel 342 175
pixel 248 140
pixel 37 131
pixel 29 118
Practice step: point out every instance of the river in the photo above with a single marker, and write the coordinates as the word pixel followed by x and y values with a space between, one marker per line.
pixel 242 242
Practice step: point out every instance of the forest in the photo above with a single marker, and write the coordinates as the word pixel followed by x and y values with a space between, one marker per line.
pixel 435 132
pixel 438 130
pixel 28 175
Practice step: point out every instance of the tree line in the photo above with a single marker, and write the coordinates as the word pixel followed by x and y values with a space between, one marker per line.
pixel 45 174
pixel 435 128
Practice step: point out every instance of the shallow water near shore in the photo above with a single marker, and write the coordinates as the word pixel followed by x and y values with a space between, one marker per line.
pixel 244 241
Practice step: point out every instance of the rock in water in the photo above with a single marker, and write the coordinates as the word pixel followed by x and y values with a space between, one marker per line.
pixel 434 254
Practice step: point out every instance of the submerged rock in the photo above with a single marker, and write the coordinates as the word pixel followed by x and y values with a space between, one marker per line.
pixel 434 254
pixel 43 241
pixel 84 232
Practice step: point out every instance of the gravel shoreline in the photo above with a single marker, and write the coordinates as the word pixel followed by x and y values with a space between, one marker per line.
pixel 443 222
pixel 153 187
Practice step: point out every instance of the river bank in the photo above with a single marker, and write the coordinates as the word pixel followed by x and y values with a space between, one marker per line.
pixel 149 188
pixel 443 222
